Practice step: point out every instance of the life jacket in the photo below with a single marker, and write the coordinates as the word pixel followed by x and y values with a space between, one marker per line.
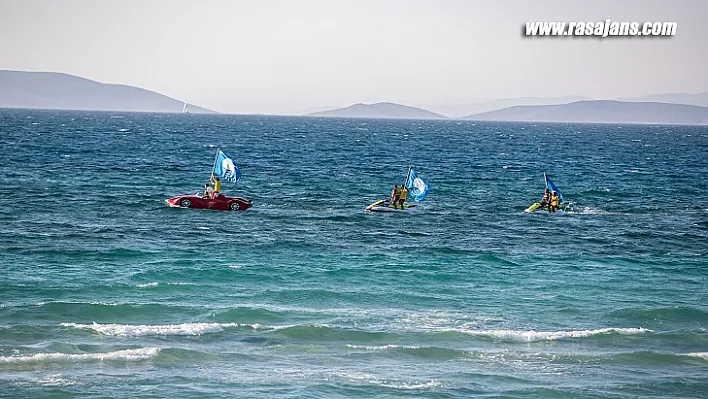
pixel 554 200
pixel 404 193
pixel 217 186
pixel 396 193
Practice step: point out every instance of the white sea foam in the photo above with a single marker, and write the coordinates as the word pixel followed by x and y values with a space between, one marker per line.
pixel 55 381
pixel 530 336
pixel 77 303
pixel 153 284
pixel 411 385
pixel 588 211
pixel 126 354
pixel 381 347
pixel 129 330
pixel 367 378
pixel 260 327
pixel 703 355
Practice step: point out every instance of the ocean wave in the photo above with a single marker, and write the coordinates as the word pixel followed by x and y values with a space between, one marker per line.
pixel 101 312
pixel 155 284
pixel 367 378
pixel 381 347
pixel 643 357
pixel 71 303
pixel 531 336
pixel 422 352
pixel 702 355
pixel 325 332
pixel 146 285
pixel 55 381
pixel 126 355
pixel 128 330
pixel 676 314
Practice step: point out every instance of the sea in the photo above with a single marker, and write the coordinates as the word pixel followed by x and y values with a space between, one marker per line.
pixel 107 292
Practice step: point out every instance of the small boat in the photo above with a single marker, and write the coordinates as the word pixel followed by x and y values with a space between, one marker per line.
pixel 536 206
pixel 225 169
pixel 417 191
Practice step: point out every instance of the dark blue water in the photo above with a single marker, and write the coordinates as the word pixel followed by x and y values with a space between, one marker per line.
pixel 107 292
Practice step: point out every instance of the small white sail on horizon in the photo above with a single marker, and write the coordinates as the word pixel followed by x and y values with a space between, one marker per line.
pixel 184 108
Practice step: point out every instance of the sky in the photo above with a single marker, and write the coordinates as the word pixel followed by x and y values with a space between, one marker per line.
pixel 297 56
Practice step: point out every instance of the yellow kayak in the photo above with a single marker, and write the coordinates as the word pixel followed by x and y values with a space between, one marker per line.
pixel 537 207
pixel 533 207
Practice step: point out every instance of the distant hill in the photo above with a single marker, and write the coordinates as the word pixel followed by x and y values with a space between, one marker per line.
pixel 470 108
pixel 50 90
pixel 380 110
pixel 601 111
pixel 699 99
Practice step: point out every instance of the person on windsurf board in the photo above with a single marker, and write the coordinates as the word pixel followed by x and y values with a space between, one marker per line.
pixel 414 187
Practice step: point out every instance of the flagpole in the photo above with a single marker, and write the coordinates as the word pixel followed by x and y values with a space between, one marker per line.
pixel 407 176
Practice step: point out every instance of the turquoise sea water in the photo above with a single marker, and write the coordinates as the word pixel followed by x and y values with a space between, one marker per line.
pixel 106 292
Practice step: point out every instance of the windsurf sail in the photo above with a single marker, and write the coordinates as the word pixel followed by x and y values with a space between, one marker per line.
pixel 225 168
pixel 417 188
pixel 184 108
pixel 551 186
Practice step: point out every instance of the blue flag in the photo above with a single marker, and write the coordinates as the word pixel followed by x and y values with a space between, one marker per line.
pixel 553 187
pixel 225 168
pixel 417 188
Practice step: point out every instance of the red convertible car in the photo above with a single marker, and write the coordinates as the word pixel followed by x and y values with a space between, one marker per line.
pixel 221 202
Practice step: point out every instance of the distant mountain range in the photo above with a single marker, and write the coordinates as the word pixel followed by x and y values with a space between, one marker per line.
pixel 699 99
pixel 464 109
pixel 380 110
pixel 591 111
pixel 50 90
pixel 601 111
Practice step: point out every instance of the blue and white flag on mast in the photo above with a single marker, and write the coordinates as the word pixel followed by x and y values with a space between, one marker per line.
pixel 225 168
pixel 551 186
pixel 417 188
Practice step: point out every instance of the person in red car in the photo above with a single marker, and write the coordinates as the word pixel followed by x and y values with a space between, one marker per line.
pixel 217 186
pixel 208 191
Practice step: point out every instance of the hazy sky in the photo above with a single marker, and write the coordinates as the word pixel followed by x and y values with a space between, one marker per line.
pixel 266 56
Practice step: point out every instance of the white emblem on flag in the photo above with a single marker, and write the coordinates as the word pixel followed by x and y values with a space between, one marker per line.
pixel 419 184
pixel 228 165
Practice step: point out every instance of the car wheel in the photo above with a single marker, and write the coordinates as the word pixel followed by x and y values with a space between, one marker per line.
pixel 234 206
pixel 185 202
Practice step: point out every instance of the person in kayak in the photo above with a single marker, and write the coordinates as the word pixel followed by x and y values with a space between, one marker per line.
pixel 546 199
pixel 402 196
pixel 217 186
pixel 395 195
pixel 554 202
